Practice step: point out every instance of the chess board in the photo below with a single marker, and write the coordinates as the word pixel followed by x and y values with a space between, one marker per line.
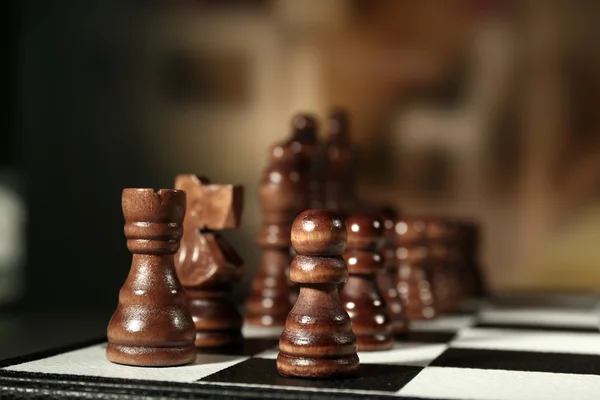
pixel 508 347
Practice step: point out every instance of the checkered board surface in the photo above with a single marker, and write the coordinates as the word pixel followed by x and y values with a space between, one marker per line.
pixel 503 348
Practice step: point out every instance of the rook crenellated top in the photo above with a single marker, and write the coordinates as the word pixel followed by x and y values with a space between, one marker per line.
pixel 153 220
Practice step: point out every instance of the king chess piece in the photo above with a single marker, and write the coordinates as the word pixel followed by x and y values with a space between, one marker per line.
pixel 207 265
pixel 270 298
pixel 318 341
pixel 152 325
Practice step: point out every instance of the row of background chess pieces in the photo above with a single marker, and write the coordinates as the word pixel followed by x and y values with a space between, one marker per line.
pixel 429 264
pixel 426 258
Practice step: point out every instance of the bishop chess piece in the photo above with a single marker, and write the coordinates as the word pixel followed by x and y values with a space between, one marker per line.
pixel 360 296
pixel 152 325
pixel 414 282
pixel 387 280
pixel 206 263
pixel 338 169
pixel 270 297
pixel 318 341
pixel 443 260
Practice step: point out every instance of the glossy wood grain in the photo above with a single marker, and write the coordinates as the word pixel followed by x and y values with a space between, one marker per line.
pixel 360 295
pixel 206 263
pixel 388 277
pixel 152 325
pixel 414 283
pixel 318 341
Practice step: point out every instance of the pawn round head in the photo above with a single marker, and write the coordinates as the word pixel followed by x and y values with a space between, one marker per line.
pixel 365 231
pixel 319 233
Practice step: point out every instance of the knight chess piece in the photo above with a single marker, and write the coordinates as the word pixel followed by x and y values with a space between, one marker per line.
pixel 318 341
pixel 414 282
pixel 207 265
pixel 387 279
pixel 270 298
pixel 152 325
pixel 360 295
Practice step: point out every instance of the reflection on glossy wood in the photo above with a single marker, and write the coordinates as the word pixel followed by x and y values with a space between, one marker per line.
pixel 413 283
pixel 152 325
pixel 206 263
pixel 360 295
pixel 318 340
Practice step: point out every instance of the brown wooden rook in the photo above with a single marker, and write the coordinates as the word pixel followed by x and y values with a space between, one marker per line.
pixel 360 296
pixel 318 341
pixel 152 325
pixel 206 263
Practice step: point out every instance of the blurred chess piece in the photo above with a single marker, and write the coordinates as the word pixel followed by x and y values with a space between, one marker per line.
pixel 388 278
pixel 443 262
pixel 360 295
pixel 414 281
pixel 339 169
pixel 281 199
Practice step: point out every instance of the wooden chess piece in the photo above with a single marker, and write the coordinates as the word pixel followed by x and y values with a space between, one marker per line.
pixel 206 263
pixel 152 325
pixel 318 341
pixel 304 142
pixel 388 278
pixel 270 298
pixel 443 260
pixel 339 165
pixel 414 284
pixel 360 296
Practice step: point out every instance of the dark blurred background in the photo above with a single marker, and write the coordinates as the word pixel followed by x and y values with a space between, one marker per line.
pixel 482 108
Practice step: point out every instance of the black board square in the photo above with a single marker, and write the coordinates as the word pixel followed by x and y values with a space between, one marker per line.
pixel 532 327
pixel 257 371
pixel 419 336
pixel 519 361
pixel 249 347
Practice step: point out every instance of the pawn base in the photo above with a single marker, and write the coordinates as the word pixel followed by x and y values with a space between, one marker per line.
pixel 310 367
pixel 142 356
